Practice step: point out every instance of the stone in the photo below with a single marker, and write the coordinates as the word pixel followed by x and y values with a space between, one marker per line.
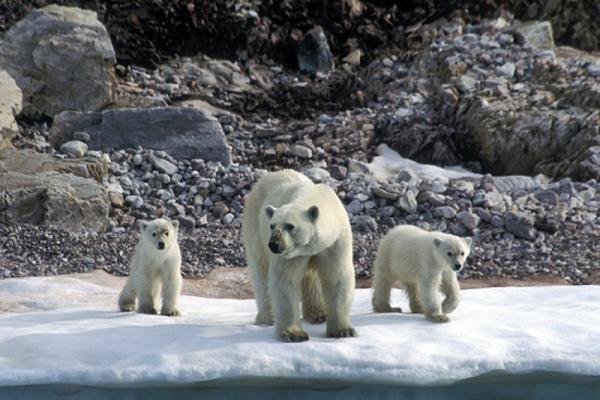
pixel 301 151
pixel 520 224
pixel 338 172
pixel 162 165
pixel 445 212
pixel 466 83
pixel 313 52
pixel 384 194
pixel 82 136
pixel 74 148
pixel 317 175
pixel 63 201
pixel 408 202
pixel 536 33
pixel 116 199
pixel 468 219
pixel 593 70
pixel 11 103
pixel 365 223
pixel 355 207
pixel 62 59
pixel 181 132
pixel 494 200
pixel 186 221
pixel 353 58
pixel 547 196
pixel 134 201
pixel 507 70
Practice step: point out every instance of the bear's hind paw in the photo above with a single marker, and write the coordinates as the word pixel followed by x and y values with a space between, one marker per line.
pixel 316 317
pixel 293 335
pixel 170 312
pixel 147 310
pixel 342 333
pixel 126 307
pixel 438 318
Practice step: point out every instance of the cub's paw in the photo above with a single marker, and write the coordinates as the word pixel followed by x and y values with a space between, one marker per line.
pixel 173 312
pixel 147 310
pixel 294 335
pixel 387 309
pixel 263 318
pixel 342 333
pixel 316 317
pixel 438 318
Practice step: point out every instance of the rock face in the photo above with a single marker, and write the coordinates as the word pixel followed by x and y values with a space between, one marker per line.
pixel 11 102
pixel 40 189
pixel 313 52
pixel 181 132
pixel 62 58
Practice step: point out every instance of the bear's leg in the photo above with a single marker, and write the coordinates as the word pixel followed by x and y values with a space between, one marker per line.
pixel 148 292
pixel 337 277
pixel 285 280
pixel 382 288
pixel 313 305
pixel 451 289
pixel 259 274
pixel 413 298
pixel 127 296
pixel 431 305
pixel 171 289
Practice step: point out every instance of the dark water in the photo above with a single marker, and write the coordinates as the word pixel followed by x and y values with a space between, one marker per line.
pixel 533 386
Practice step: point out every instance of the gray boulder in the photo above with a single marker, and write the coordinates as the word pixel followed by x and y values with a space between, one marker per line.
pixel 11 102
pixel 520 225
pixel 62 59
pixel 313 52
pixel 180 131
pixel 536 33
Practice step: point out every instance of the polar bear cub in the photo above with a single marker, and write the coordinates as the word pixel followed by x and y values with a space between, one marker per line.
pixel 422 262
pixel 156 265
pixel 298 244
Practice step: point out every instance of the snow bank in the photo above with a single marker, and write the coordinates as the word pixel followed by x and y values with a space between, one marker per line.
pixel 86 342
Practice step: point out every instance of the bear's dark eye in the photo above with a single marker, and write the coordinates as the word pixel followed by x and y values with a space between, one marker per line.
pixel 272 226
pixel 289 227
pixel 462 253
pixel 154 234
pixel 166 233
pixel 449 254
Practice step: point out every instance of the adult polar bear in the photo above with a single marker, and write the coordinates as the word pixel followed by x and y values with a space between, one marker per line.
pixel 298 244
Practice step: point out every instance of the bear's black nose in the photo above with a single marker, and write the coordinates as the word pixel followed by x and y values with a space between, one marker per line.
pixel 275 248
pixel 457 267
pixel 161 245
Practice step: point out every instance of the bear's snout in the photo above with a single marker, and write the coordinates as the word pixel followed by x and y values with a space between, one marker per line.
pixel 275 247
pixel 161 245
pixel 457 267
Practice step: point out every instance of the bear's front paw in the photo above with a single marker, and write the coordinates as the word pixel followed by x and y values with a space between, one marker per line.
pixel 147 310
pixel 294 335
pixel 438 318
pixel 316 317
pixel 126 307
pixel 387 309
pixel 170 312
pixel 342 333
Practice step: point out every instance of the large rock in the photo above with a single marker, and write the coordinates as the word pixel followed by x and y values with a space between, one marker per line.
pixel 536 33
pixel 61 200
pixel 313 52
pixel 62 58
pixel 181 132
pixel 11 102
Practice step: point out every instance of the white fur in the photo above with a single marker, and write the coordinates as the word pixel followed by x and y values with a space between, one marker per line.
pixel 153 269
pixel 315 259
pixel 420 261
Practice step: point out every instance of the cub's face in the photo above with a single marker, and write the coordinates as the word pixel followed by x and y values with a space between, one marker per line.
pixel 291 229
pixel 453 251
pixel 161 233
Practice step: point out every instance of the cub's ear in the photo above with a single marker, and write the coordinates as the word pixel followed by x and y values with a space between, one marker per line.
pixel 313 213
pixel 143 225
pixel 437 242
pixel 468 241
pixel 175 224
pixel 270 210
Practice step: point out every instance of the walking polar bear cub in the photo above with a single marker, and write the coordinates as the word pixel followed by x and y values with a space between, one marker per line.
pixel 298 245
pixel 156 264
pixel 423 262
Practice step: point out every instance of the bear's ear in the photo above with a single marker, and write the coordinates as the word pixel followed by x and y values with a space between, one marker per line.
pixel 468 241
pixel 270 210
pixel 143 225
pixel 175 224
pixel 313 213
pixel 437 242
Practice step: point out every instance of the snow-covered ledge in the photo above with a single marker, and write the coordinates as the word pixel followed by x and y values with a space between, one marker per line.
pixel 80 339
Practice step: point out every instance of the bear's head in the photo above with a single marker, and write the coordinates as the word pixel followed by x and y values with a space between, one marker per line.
pixel 291 229
pixel 160 233
pixel 452 251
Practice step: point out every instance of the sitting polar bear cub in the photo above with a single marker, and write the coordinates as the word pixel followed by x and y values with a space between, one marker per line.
pixel 156 263
pixel 298 246
pixel 423 262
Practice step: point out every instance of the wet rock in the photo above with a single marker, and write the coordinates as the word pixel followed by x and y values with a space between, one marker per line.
pixel 468 219
pixel 445 212
pixel 181 132
pixel 74 148
pixel 163 165
pixel 313 52
pixel 520 224
pixel 62 59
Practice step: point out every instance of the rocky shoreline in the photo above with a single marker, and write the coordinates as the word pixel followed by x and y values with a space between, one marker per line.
pixel 188 139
